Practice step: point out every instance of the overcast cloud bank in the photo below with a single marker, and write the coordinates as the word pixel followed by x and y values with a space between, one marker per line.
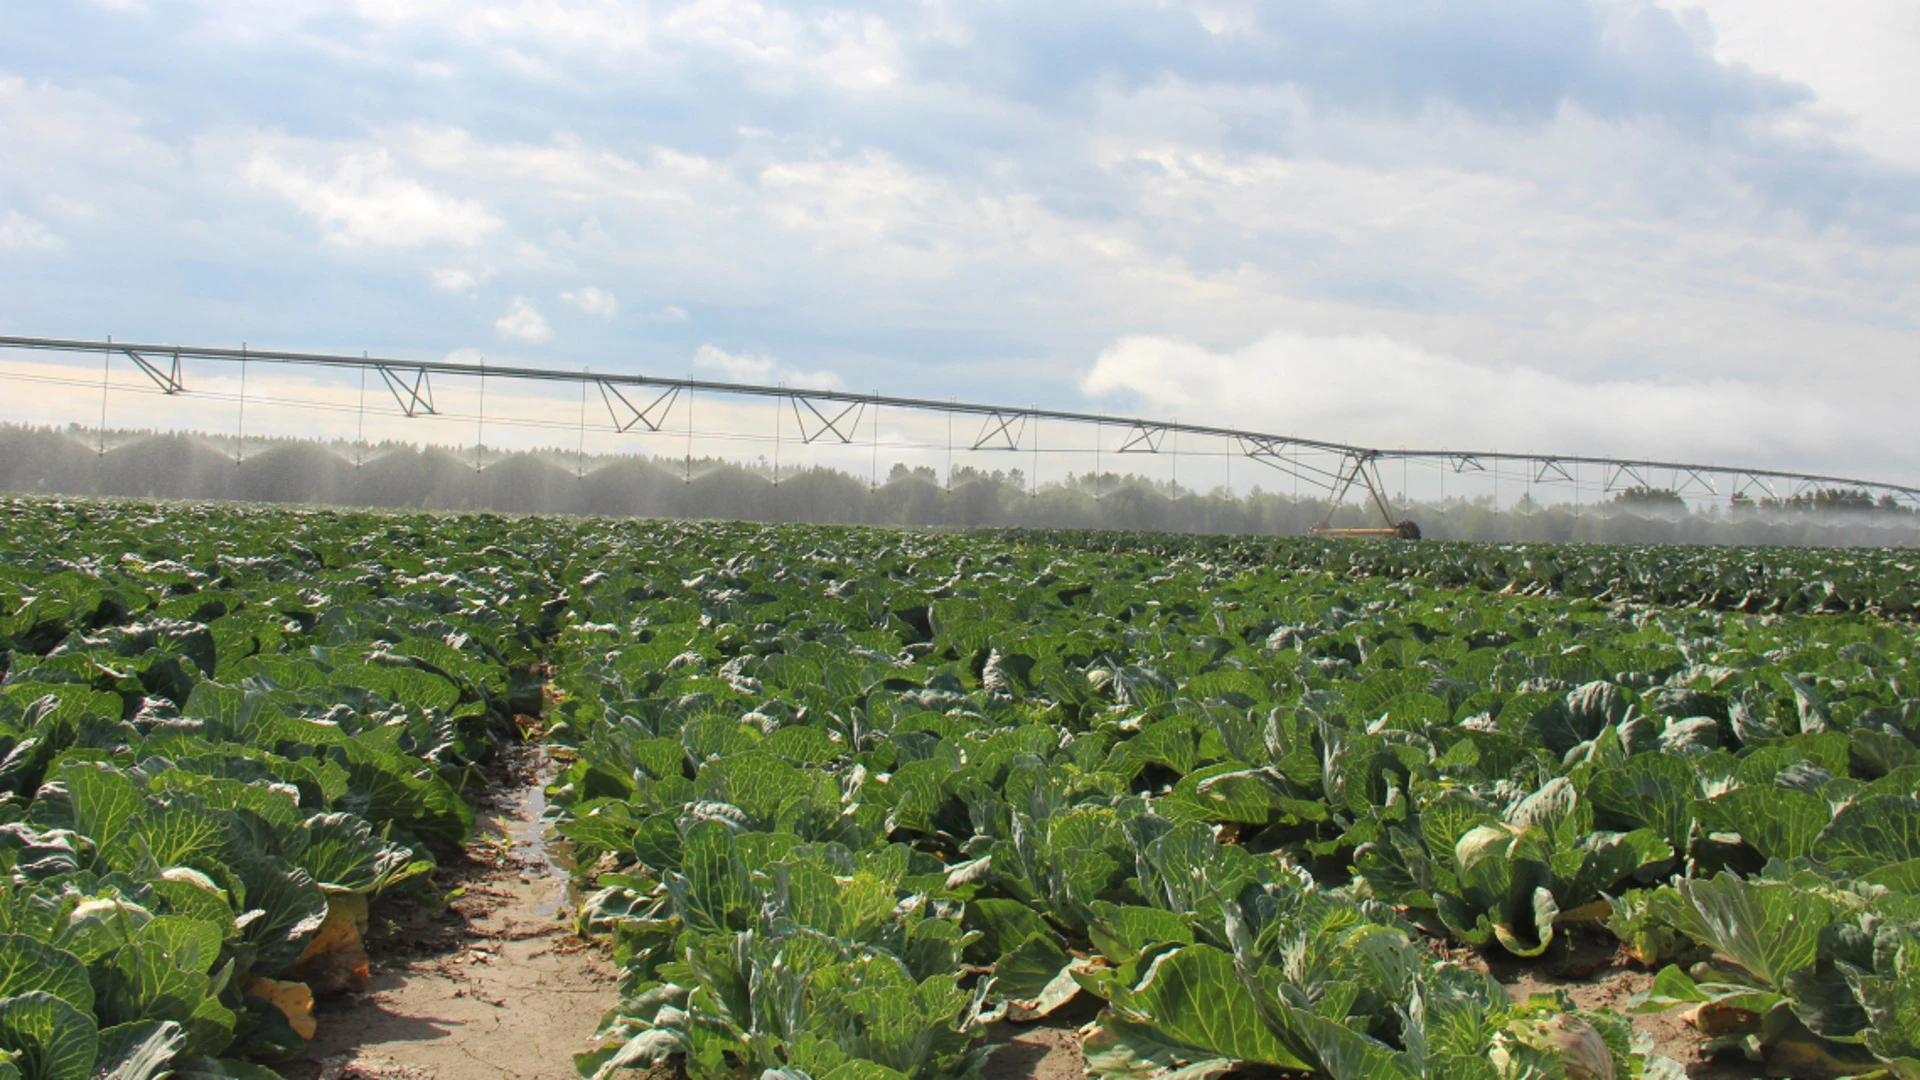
pixel 1567 225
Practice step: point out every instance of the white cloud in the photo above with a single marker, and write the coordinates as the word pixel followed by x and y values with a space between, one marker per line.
pixel 365 201
pixel 570 172
pixel 21 233
pixel 1856 57
pixel 763 370
pixel 453 279
pixel 75 209
pixel 777 47
pixel 851 50
pixel 1370 390
pixel 523 323
pixel 68 147
pixel 592 300
pixel 670 313
pixel 1579 264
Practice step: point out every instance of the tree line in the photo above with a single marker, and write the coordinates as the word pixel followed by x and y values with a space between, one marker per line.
pixel 397 475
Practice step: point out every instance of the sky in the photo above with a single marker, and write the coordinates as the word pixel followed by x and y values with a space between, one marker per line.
pixel 1677 229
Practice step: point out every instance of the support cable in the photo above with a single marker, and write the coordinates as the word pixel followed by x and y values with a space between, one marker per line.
pixel 106 359
pixel 1096 462
pixel 360 424
pixel 240 425
pixel 1176 459
pixel 480 422
pixel 1033 482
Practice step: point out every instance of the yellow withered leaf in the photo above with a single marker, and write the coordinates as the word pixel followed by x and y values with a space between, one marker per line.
pixel 293 999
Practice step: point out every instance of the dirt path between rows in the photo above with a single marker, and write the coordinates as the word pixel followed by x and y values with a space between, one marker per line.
pixel 493 988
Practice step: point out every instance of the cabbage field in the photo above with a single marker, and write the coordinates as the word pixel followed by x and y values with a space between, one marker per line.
pixel 843 800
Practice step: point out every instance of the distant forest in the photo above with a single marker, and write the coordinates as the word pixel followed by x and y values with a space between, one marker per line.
pixel 397 475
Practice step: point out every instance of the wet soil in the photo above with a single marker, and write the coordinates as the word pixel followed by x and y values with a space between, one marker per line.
pixel 493 987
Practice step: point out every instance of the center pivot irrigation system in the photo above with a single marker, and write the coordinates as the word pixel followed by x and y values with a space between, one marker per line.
pixel 647 403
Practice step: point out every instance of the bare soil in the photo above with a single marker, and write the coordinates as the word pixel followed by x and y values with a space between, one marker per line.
pixel 1594 974
pixel 492 988
pixel 1044 1049
pixel 1038 1051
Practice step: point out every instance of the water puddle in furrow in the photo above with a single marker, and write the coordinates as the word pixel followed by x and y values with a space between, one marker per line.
pixel 536 846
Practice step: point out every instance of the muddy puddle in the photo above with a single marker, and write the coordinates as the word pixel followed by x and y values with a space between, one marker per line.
pixel 536 849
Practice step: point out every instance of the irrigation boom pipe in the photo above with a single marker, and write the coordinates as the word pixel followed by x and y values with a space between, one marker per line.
pixel 1263 445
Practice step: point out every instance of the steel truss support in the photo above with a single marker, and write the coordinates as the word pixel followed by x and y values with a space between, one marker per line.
pixel 1143 439
pixel 413 398
pixel 824 426
pixel 1460 463
pixel 1269 452
pixel 1001 430
pixel 1625 469
pixel 1552 470
pixel 1362 467
pixel 650 417
pixel 1799 489
pixel 167 379
pixel 1696 478
pixel 1760 482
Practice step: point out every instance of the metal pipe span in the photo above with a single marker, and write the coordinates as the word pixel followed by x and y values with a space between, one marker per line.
pixel 1264 444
